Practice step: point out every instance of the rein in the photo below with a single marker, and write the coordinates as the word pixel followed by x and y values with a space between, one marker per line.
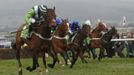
pixel 74 37
pixel 57 37
pixel 41 36
pixel 39 23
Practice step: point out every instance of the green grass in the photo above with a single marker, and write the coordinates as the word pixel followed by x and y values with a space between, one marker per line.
pixel 108 66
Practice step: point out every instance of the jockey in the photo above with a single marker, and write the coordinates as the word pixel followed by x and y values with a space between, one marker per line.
pixel 33 15
pixel 74 26
pixel 87 22
pixel 58 22
pixel 87 41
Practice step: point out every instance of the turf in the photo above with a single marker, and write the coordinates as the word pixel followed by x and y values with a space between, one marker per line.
pixel 108 66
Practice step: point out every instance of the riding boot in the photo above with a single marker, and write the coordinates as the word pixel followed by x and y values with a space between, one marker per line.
pixel 29 34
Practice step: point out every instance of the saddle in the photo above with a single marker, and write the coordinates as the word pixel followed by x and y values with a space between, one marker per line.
pixel 32 27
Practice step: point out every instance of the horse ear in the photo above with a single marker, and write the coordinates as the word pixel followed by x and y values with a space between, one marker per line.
pixel 54 7
pixel 67 19
pixel 62 19
pixel 46 7
pixel 111 26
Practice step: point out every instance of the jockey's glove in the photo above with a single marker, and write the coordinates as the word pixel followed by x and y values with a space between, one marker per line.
pixel 32 20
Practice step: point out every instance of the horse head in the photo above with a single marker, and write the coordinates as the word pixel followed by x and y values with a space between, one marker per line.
pixel 50 16
pixel 63 28
pixel 113 31
pixel 86 29
pixel 102 26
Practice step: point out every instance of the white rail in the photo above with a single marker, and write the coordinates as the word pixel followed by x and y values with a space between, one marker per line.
pixel 128 39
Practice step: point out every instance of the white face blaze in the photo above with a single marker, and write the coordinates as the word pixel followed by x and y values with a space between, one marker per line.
pixel 105 25
pixel 68 28
pixel 53 22
pixel 68 24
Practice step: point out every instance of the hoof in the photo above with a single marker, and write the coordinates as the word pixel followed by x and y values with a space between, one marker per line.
pixel 20 71
pixel 50 65
pixel 29 69
pixel 47 71
pixel 99 59
pixel 84 61
pixel 94 57
pixel 71 66
pixel 68 62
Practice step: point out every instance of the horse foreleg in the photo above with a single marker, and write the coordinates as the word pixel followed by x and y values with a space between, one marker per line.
pixel 88 51
pixel 119 51
pixel 82 56
pixel 93 53
pixel 101 54
pixel 58 60
pixel 66 57
pixel 55 58
pixel 35 63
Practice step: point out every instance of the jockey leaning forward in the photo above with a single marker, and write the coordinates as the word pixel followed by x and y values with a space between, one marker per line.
pixel 74 27
pixel 88 39
pixel 58 22
pixel 34 14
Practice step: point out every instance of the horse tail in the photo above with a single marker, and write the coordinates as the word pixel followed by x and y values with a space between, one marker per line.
pixel 13 45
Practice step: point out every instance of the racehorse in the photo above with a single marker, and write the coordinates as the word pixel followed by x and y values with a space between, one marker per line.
pixel 96 33
pixel 59 41
pixel 41 33
pixel 76 45
pixel 106 42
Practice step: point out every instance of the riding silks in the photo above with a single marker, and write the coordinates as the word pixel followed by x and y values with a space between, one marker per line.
pixel 87 40
pixel 25 32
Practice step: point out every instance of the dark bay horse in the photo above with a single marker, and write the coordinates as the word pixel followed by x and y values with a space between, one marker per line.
pixel 106 42
pixel 59 41
pixel 76 45
pixel 96 33
pixel 41 33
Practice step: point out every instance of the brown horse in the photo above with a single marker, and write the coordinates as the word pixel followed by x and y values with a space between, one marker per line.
pixel 41 33
pixel 96 33
pixel 76 45
pixel 59 41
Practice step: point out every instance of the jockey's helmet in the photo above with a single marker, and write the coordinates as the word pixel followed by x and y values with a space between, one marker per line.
pixel 42 8
pixel 88 22
pixel 75 22
pixel 58 20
